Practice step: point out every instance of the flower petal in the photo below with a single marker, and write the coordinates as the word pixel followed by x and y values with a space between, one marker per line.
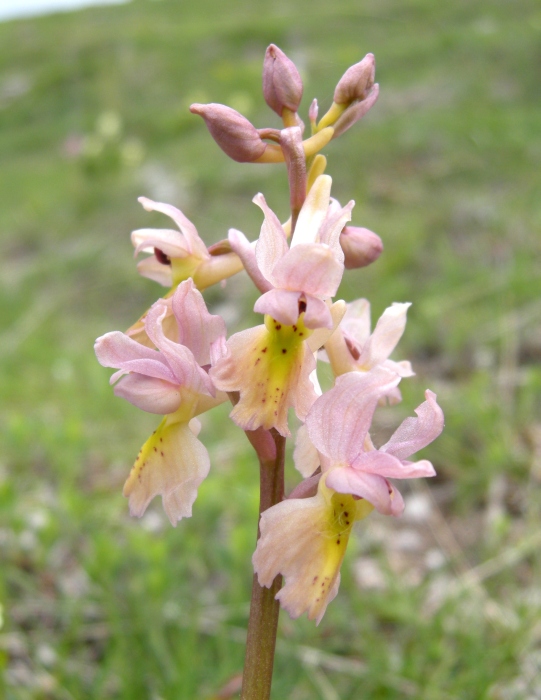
pixel 415 433
pixel 305 455
pixel 371 487
pixel 197 328
pixel 172 463
pixel 272 243
pixel 171 242
pixel 386 465
pixel 313 212
pixel 180 359
pixel 156 271
pixel 149 394
pixel 339 420
pixel 246 252
pixel 310 268
pixel 387 333
pixel 318 314
pixel 280 304
pixel 356 323
pixel 305 540
pixel 116 350
pixel 270 367
pixel 194 243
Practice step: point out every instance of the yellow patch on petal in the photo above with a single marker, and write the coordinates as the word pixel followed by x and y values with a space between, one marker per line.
pixel 172 463
pixel 276 361
pixel 183 268
pixel 306 540
pixel 269 366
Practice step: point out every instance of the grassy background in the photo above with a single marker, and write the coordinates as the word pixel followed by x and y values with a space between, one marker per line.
pixel 444 603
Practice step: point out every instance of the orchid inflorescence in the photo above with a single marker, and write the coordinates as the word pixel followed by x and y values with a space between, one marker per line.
pixel 177 361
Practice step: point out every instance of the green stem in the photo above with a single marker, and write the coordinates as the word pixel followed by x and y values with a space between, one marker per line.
pixel 264 609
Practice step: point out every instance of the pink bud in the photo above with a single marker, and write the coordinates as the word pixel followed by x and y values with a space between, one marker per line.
pixel 361 247
pixel 356 82
pixel 355 112
pixel 235 135
pixel 282 84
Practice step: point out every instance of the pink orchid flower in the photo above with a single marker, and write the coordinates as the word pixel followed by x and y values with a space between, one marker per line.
pixel 177 255
pixel 298 278
pixel 353 348
pixel 305 539
pixel 172 381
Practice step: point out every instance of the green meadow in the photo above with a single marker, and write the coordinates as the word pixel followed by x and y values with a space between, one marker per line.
pixel 442 604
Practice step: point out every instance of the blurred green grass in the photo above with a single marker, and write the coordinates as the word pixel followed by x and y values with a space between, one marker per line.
pixel 446 168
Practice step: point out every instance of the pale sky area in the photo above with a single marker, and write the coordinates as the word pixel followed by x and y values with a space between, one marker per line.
pixel 10 9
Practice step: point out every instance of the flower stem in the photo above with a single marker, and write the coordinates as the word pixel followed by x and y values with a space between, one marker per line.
pixel 264 609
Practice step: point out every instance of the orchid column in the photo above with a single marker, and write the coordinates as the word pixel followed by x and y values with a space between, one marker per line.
pixel 177 362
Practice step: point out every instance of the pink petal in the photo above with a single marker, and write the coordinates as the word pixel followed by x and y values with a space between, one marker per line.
pixel 149 394
pixel 415 433
pixel 117 350
pixel 272 243
pixel 194 243
pixel 387 333
pixel 197 328
pixel 318 314
pixel 310 268
pixel 246 252
pixel 333 226
pixel 356 323
pixel 339 420
pixel 154 270
pixel 171 242
pixel 180 359
pixel 280 304
pixel 305 455
pixel 313 212
pixel 386 465
pixel 375 489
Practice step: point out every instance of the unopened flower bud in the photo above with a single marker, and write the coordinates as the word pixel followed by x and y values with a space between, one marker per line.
pixel 355 112
pixel 235 135
pixel 356 82
pixel 282 84
pixel 361 247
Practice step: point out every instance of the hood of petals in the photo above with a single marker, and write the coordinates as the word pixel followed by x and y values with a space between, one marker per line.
pixel 180 359
pixel 339 421
pixel 197 328
pixel 313 212
pixel 194 244
pixel 311 268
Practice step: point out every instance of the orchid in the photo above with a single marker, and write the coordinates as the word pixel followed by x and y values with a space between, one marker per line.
pixel 177 255
pixel 270 365
pixel 177 363
pixel 354 481
pixel 172 381
pixel 354 348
